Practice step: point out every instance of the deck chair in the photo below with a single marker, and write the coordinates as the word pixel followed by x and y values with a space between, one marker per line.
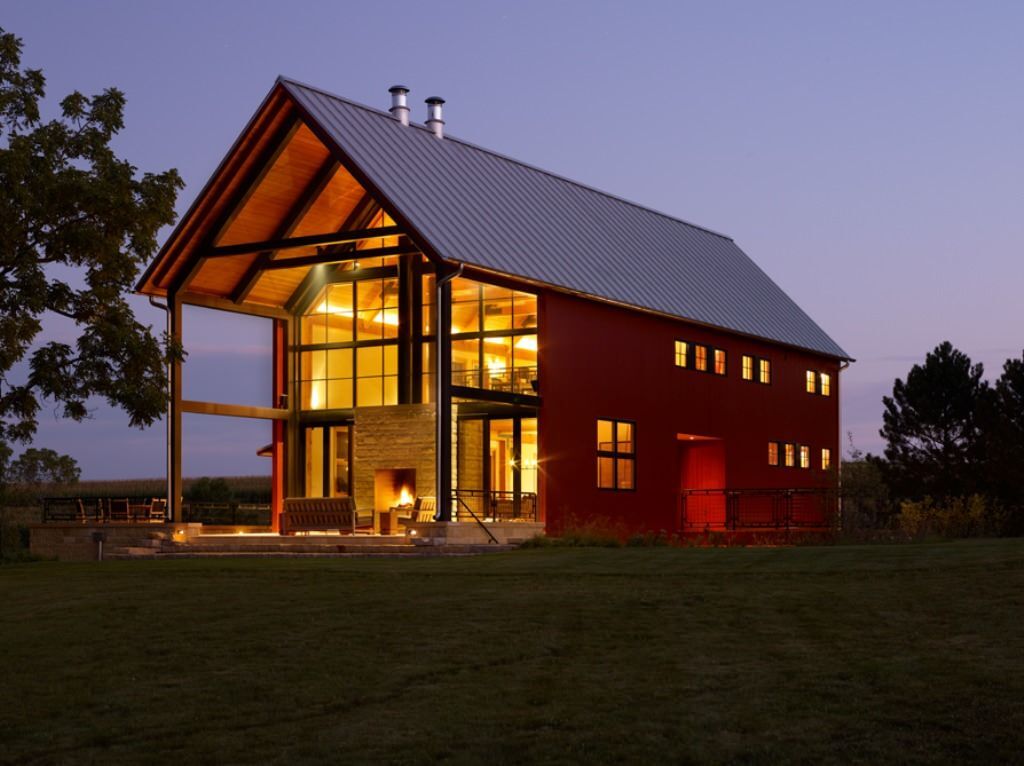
pixel 422 511
pixel 118 509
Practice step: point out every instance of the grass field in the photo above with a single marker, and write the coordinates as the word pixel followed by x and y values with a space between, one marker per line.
pixel 911 653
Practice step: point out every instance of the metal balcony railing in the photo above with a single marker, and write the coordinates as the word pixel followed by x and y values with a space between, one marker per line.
pixel 732 509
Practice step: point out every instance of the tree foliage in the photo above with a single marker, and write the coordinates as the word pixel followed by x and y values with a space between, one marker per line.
pixel 1003 425
pixel 76 224
pixel 43 466
pixel 931 427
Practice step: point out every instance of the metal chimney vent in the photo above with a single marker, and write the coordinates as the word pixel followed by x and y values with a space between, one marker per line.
pixel 399 105
pixel 434 121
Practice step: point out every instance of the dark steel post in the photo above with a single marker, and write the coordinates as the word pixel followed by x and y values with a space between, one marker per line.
pixel 174 490
pixel 443 439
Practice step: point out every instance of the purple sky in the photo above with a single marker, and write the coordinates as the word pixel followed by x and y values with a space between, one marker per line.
pixel 867 155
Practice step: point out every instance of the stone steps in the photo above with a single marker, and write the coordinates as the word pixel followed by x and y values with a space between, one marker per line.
pixel 248 549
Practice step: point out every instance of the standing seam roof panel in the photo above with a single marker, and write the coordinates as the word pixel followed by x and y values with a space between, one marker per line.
pixel 487 210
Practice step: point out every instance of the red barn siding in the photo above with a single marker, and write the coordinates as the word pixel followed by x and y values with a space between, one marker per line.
pixel 601 361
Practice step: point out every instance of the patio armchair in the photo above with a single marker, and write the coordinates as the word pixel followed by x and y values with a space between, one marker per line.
pixel 422 511
pixel 118 510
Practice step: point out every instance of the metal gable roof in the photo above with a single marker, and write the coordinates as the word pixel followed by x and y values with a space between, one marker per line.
pixel 481 208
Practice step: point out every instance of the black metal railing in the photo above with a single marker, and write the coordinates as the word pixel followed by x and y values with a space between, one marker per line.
pixel 510 380
pixel 103 509
pixel 461 504
pixel 498 505
pixel 148 509
pixel 710 509
pixel 226 514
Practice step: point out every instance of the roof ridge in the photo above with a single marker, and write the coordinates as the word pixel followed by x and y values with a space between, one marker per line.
pixel 507 158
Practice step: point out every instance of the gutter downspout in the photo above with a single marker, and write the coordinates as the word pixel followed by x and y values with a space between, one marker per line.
pixel 443 435
pixel 167 416
pixel 839 457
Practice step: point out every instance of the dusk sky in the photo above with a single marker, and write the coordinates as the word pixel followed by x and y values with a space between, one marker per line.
pixel 868 156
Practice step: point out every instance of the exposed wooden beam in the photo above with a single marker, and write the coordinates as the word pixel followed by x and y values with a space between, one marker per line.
pixel 351 255
pixel 233 410
pixel 252 181
pixel 223 304
pixel 362 213
pixel 310 240
pixel 296 214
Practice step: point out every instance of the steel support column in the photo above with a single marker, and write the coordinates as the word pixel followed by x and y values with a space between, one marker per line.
pixel 443 439
pixel 174 487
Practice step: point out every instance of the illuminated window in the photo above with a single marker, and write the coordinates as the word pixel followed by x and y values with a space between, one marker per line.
pixel 719 362
pixel 790 455
pixel 748 367
pixel 334 373
pixel 812 382
pixel 506 363
pixel 826 384
pixel 616 450
pixel 700 358
pixel 805 457
pixel 826 459
pixel 773 453
pixel 682 353
pixel 764 370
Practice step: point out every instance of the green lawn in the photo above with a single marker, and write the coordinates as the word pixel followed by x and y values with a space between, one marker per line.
pixel 909 653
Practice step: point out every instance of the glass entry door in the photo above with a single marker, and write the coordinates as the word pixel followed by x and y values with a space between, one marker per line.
pixel 497 465
pixel 328 460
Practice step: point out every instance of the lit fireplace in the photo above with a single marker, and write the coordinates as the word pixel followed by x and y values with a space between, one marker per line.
pixel 394 487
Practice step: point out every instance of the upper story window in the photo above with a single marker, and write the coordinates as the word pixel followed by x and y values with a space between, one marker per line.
pixel 790 455
pixel 494 338
pixel 682 353
pixel 700 357
pixel 747 367
pixel 349 355
pixel 764 371
pixel 819 383
pixel 719 362
pixel 805 456
pixel 773 453
pixel 826 458
pixel 616 454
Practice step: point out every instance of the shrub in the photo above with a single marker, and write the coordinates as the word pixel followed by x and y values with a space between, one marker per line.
pixel 972 516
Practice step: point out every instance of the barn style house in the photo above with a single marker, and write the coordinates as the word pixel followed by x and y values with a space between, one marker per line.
pixel 463 333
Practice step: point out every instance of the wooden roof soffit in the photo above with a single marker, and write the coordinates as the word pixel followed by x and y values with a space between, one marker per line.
pixel 256 174
pixel 291 222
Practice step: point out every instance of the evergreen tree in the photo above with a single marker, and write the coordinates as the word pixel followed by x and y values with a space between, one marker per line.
pixel 931 427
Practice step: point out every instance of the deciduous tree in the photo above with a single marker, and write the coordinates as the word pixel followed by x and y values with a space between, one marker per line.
pixel 76 224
